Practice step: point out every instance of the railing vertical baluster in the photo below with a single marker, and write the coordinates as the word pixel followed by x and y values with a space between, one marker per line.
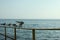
pixel 14 33
pixel 33 34
pixel 5 34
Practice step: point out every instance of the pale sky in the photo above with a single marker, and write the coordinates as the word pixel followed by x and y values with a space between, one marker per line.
pixel 29 9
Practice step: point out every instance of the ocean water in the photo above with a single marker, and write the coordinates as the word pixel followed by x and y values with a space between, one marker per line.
pixel 33 23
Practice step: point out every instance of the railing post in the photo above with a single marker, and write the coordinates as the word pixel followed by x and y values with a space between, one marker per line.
pixel 14 33
pixel 5 33
pixel 33 34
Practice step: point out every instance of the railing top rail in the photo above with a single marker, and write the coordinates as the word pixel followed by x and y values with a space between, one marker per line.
pixel 40 28
pixel 33 28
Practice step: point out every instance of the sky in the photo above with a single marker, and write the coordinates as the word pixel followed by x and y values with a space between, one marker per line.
pixel 29 9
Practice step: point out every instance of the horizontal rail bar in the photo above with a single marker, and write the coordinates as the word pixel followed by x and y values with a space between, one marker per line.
pixel 33 28
pixel 36 28
pixel 49 38
pixel 40 28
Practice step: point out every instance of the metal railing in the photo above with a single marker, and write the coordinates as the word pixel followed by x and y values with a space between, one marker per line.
pixel 33 31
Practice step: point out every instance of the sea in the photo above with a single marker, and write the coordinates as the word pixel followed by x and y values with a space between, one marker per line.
pixel 23 34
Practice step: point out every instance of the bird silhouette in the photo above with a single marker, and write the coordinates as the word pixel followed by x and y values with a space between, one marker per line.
pixel 20 23
pixel 14 24
pixel 9 24
pixel 3 24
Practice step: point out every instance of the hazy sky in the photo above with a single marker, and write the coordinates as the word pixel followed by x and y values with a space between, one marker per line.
pixel 30 9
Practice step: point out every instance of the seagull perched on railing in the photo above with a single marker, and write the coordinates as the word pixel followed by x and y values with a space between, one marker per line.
pixel 20 23
pixel 3 24
pixel 9 24
pixel 14 24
